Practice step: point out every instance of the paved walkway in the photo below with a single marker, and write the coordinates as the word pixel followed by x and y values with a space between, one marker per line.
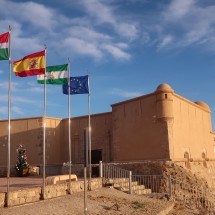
pixel 17 183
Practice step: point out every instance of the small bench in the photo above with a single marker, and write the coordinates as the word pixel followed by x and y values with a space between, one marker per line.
pixel 54 179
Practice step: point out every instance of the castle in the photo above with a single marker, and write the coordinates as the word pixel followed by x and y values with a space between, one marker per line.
pixel 160 126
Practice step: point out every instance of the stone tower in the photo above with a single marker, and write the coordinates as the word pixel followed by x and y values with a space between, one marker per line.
pixel 165 116
pixel 164 103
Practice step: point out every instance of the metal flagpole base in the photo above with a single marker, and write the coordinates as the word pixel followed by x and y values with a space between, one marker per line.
pixel 85 190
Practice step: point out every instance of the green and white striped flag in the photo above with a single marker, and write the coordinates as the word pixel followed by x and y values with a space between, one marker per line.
pixel 55 75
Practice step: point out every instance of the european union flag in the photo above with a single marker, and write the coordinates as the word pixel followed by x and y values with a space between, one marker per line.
pixel 78 85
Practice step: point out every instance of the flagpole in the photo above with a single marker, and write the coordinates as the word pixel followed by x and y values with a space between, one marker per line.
pixel 44 132
pixel 9 112
pixel 89 122
pixel 69 116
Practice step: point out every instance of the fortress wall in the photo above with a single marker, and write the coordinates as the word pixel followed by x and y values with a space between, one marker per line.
pixel 30 133
pixel 54 143
pixel 101 136
pixel 191 130
pixel 137 135
pixel 160 125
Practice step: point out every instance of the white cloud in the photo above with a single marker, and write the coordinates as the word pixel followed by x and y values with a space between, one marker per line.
pixel 89 34
pixel 116 52
pixel 36 14
pixel 20 41
pixel 17 110
pixel 3 110
pixel 17 99
pixel 102 29
pixel 19 87
pixel 82 47
pixel 4 85
pixel 127 29
pixel 145 38
pixel 166 41
pixel 3 98
pixel 87 41
pixel 122 45
pixel 33 45
pixel 36 89
pixel 178 9
pixel 104 13
pixel 193 25
pixel 125 94
pixel 14 85
pixel 82 34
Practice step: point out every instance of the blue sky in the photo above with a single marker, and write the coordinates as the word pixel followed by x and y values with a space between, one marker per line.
pixel 129 47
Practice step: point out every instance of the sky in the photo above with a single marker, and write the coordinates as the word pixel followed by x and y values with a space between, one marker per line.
pixel 129 47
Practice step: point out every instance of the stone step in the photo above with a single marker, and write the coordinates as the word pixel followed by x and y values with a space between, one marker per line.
pixel 122 184
pixel 142 192
pixel 116 180
pixel 134 187
pixel 138 192
pixel 125 184
pixel 138 187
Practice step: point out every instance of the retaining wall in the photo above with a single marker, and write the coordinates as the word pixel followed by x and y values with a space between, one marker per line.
pixel 52 191
pixel 24 196
pixel 2 199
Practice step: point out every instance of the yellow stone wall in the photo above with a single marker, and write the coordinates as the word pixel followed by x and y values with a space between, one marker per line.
pixel 159 126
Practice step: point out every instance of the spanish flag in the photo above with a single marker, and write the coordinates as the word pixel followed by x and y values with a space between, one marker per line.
pixel 33 64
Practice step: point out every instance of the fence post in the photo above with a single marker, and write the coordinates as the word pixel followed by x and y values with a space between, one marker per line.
pixel 170 186
pixel 100 169
pixel 130 180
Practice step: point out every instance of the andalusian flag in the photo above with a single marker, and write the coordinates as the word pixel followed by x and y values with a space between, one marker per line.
pixel 55 75
pixel 33 64
pixel 4 46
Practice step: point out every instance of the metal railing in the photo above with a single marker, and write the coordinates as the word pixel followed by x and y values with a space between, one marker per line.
pixel 133 183
pixel 117 176
pixel 113 172
pixel 152 182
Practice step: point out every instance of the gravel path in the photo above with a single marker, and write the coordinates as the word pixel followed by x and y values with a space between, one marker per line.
pixel 104 201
